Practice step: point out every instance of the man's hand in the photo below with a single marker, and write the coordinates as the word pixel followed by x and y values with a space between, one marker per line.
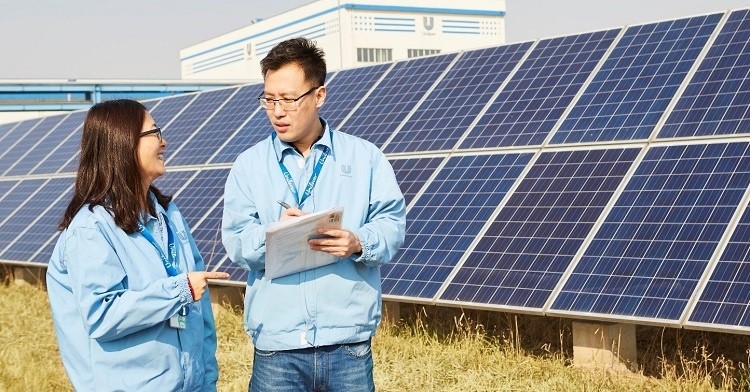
pixel 289 213
pixel 340 243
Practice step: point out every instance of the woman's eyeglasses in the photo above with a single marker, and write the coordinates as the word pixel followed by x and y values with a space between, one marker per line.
pixel 156 130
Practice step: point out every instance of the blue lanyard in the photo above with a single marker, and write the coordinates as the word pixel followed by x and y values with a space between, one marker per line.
pixel 313 177
pixel 168 260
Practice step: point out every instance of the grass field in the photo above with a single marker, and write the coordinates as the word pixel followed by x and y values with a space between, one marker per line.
pixel 433 349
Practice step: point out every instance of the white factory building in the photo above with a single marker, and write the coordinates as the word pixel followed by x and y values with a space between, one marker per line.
pixel 352 33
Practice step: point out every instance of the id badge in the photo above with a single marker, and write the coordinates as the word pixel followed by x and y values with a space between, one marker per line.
pixel 178 321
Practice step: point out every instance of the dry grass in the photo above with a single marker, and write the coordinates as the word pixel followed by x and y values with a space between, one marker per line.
pixel 434 349
pixel 29 360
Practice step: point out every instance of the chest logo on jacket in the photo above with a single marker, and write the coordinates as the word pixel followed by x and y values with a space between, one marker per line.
pixel 346 170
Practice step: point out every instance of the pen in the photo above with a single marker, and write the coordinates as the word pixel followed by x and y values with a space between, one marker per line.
pixel 283 204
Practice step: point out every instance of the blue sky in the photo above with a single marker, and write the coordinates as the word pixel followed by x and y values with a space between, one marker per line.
pixel 140 39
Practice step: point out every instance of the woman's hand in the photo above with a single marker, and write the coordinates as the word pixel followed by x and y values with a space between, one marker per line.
pixel 198 281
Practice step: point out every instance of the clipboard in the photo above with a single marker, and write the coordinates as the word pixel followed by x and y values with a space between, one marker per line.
pixel 287 250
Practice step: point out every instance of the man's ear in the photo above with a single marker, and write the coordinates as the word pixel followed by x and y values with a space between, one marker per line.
pixel 320 96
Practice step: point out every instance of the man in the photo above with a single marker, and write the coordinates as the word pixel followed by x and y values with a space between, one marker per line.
pixel 312 329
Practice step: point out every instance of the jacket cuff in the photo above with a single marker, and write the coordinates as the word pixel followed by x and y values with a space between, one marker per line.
pixel 186 297
pixel 366 253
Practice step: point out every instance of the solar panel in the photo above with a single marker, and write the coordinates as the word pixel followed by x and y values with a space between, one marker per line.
pixel 446 218
pixel 412 174
pixel 70 133
pixel 169 107
pixel 219 128
pixel 40 149
pixel 254 130
pixel 25 144
pixel 717 100
pixel 388 104
pixel 206 188
pixel 32 226
pixel 17 133
pixel 5 187
pixel 458 98
pixel 533 175
pixel 725 300
pixel 185 124
pixel 174 181
pixel 236 274
pixel 198 206
pixel 350 85
pixel 14 199
pixel 151 104
pixel 629 94
pixel 207 237
pixel 522 256
pixel 647 257
pixel 6 130
pixel 537 95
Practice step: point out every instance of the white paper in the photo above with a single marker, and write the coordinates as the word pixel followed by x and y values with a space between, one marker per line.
pixel 287 250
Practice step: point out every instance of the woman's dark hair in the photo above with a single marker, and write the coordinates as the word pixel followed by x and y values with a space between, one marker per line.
pixel 108 171
pixel 301 51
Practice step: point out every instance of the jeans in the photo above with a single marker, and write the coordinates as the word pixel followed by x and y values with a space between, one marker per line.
pixel 341 367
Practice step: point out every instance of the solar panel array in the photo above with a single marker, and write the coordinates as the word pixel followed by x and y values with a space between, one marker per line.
pixel 603 175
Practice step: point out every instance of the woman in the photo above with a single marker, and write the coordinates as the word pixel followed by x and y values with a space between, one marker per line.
pixel 129 299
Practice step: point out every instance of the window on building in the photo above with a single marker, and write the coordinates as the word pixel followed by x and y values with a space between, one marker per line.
pixel 374 55
pixel 421 52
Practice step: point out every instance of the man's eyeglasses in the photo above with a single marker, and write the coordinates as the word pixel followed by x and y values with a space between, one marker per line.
pixel 287 104
pixel 156 130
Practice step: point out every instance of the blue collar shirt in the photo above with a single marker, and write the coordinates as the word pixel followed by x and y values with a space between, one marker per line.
pixel 336 303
